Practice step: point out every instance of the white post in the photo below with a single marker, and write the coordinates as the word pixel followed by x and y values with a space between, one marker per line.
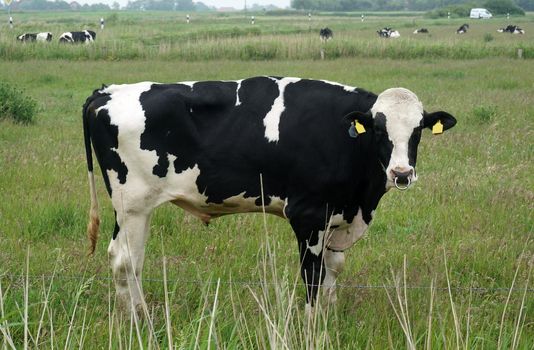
pixel 187 18
pixel 363 17
pixel 10 22
pixel 309 16
pixel 252 20
pixel 507 15
pixel 322 53
pixel 448 15
pixel 101 23
pixel 519 53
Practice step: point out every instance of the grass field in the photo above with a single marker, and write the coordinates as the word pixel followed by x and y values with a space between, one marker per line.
pixel 467 223
pixel 141 35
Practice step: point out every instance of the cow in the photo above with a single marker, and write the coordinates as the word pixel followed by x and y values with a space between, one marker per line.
pixel 316 153
pixel 421 30
pixel 512 29
pixel 326 34
pixel 87 36
pixel 463 29
pixel 388 32
pixel 30 37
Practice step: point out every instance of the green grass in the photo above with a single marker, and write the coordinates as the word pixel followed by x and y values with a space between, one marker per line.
pixel 472 205
pixel 134 35
pixel 468 221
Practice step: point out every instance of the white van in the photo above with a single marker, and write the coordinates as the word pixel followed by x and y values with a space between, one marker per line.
pixel 480 13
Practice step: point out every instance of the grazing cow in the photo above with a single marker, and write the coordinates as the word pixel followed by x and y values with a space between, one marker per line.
pixel 317 153
pixel 387 32
pixel 87 36
pixel 44 36
pixel 463 29
pixel 326 34
pixel 421 30
pixel 512 29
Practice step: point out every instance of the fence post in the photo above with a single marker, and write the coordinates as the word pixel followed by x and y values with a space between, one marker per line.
pixel 519 53
pixel 322 53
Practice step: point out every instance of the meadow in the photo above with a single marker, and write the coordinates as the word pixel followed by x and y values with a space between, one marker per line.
pixel 447 264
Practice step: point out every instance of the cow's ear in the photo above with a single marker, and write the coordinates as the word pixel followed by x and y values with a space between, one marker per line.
pixel 438 122
pixel 361 120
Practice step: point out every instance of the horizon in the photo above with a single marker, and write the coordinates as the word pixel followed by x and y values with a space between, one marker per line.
pixel 237 4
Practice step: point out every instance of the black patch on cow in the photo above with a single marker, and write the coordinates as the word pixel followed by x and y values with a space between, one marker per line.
pixel 266 201
pixel 415 138
pixel 105 139
pixel 385 146
pixel 117 228
pixel 78 37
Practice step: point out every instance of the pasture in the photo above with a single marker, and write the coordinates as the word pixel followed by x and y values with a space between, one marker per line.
pixel 458 245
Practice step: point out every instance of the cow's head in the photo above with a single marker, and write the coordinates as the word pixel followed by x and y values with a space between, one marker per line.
pixel 395 123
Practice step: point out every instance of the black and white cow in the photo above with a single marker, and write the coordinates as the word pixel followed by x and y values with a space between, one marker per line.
pixel 325 154
pixel 87 36
pixel 388 32
pixel 421 31
pixel 463 29
pixel 512 29
pixel 43 36
pixel 326 34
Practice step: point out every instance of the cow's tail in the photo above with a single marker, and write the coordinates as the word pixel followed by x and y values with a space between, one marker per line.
pixel 94 220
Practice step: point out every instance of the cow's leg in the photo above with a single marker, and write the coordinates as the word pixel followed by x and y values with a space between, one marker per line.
pixel 311 270
pixel 309 222
pixel 126 254
pixel 334 263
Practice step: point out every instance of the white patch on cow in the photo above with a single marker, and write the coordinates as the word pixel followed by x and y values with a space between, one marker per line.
pixel 286 202
pixel 272 119
pixel 67 36
pixel 88 37
pixel 125 111
pixel 345 87
pixel 317 248
pixel 345 235
pixel 403 112
pixel 237 100
pixel 394 34
pixel 42 36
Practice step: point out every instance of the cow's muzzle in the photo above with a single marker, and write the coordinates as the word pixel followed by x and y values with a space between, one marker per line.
pixel 402 179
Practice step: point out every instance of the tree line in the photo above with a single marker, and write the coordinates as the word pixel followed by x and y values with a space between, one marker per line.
pixel 405 5
pixel 148 5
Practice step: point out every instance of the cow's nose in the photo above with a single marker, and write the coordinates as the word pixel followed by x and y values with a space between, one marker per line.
pixel 402 176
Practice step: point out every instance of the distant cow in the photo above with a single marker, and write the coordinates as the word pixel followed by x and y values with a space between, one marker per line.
pixel 86 36
pixel 462 29
pixel 388 32
pixel 421 30
pixel 44 36
pixel 512 29
pixel 326 34
pixel 316 153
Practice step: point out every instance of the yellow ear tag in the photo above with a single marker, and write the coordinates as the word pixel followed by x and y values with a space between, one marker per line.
pixel 437 128
pixel 360 129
